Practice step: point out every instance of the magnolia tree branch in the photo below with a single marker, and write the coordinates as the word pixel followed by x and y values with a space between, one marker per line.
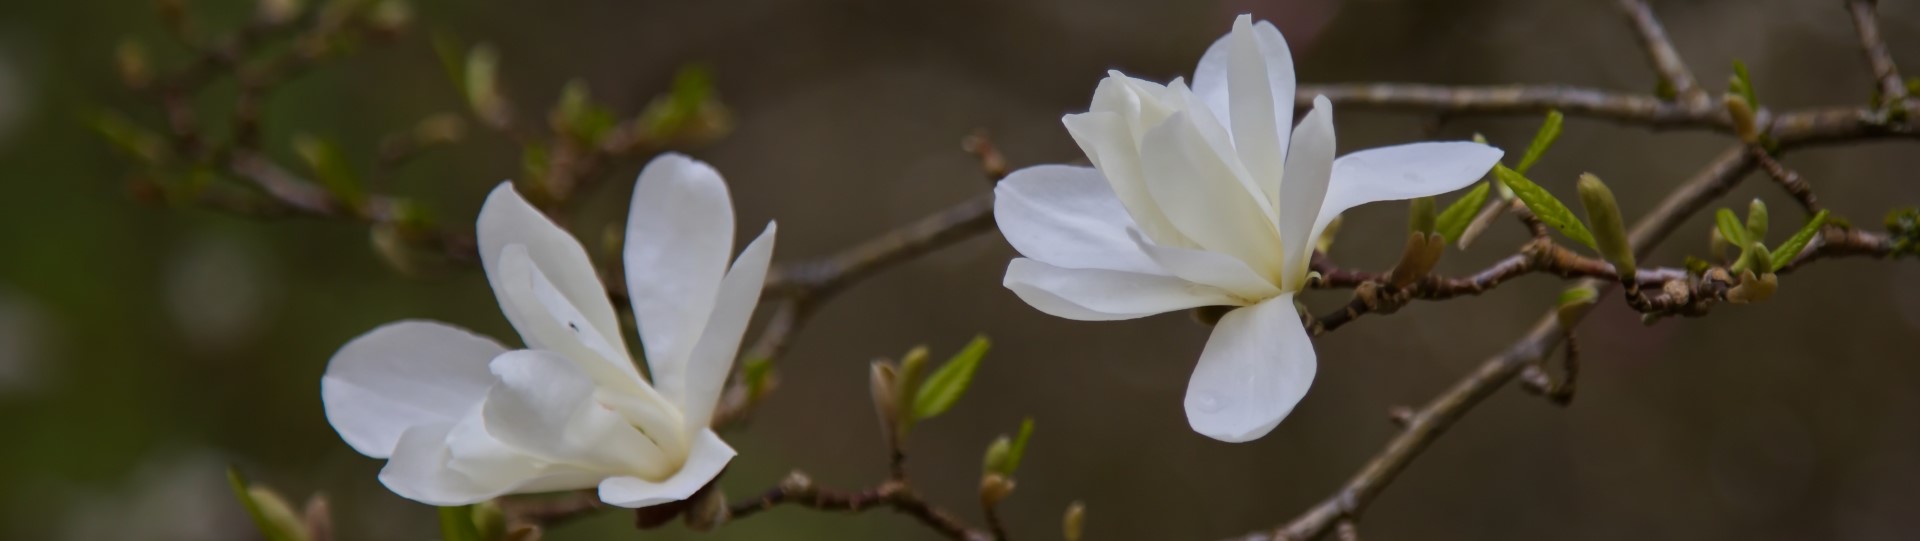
pixel 1660 52
pixel 1866 22
pixel 799 490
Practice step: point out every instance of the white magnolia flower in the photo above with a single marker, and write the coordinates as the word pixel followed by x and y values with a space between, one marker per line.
pixel 462 419
pixel 1199 197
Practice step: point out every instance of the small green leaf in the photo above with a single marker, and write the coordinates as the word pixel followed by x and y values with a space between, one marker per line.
pixel 330 167
pixel 1697 266
pixel 1572 301
pixel 1609 230
pixel 1794 244
pixel 1742 83
pixel 456 524
pixel 1019 448
pixel 1730 228
pixel 995 460
pixel 452 61
pixel 1549 131
pixel 756 372
pixel 1454 220
pixel 945 386
pixel 1420 215
pixel 1550 210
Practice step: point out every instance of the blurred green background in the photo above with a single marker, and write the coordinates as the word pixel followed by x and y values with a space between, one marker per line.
pixel 143 348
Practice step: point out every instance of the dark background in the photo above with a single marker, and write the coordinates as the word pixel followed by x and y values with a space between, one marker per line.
pixel 144 348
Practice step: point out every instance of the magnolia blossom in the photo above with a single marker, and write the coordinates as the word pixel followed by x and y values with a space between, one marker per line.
pixel 1201 197
pixel 462 419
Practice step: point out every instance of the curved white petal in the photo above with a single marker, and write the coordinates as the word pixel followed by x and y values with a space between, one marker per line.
pixel 709 455
pixel 403 375
pixel 1069 217
pixel 1109 142
pixel 1105 295
pixel 491 466
pixel 1212 79
pixel 548 321
pixel 1309 166
pixel 1402 172
pixel 712 358
pixel 419 470
pixel 679 236
pixel 544 406
pixel 507 219
pixel 1257 133
pixel 1208 268
pixel 1203 197
pixel 1255 368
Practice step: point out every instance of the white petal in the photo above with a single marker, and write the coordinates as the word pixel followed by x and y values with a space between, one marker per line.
pixel 1257 134
pixel 1255 368
pixel 1209 268
pixel 547 321
pixel 1068 217
pixel 679 236
pixel 713 357
pixel 544 406
pixel 402 375
pixel 1114 150
pixel 419 471
pixel 1309 165
pixel 1105 295
pixel 1211 78
pixel 507 219
pixel 1204 198
pixel 709 456
pixel 1402 172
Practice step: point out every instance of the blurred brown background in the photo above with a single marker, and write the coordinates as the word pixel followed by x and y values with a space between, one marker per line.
pixel 144 348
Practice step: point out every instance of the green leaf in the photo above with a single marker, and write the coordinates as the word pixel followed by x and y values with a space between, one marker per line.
pixel 1742 84
pixel 1549 131
pixel 1544 206
pixel 452 58
pixel 1757 220
pixel 1697 266
pixel 1019 448
pixel 1454 220
pixel 755 371
pixel 1731 228
pixel 945 386
pixel 456 524
pixel 682 105
pixel 269 512
pixel 330 167
pixel 1794 244
pixel 1572 301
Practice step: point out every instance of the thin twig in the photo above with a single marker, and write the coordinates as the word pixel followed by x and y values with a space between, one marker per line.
pixel 1866 23
pixel 799 490
pixel 1660 52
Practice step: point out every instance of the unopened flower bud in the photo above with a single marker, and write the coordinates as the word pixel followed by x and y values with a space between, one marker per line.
pixel 318 518
pixel 489 521
pixel 1074 522
pixel 1609 231
pixel 994 488
pixel 276 518
pixel 1741 113
pixel 1717 245
pixel 880 383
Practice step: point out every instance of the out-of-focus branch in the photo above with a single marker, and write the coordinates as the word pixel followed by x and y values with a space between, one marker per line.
pixel 1866 22
pixel 1660 52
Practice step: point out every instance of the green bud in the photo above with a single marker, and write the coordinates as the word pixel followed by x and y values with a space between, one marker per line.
pixel 1762 258
pixel 1074 523
pixel 483 86
pixel 271 514
pixel 906 383
pixel 1609 231
pixel 1757 220
pixel 1717 245
pixel 998 454
pixel 1742 115
pixel 1421 216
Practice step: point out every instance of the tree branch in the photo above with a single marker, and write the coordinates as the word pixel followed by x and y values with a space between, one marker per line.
pixel 1666 61
pixel 1866 22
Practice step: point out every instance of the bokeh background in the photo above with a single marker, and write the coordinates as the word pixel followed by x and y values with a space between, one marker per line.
pixel 144 348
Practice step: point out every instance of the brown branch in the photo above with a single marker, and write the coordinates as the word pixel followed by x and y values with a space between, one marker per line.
pixel 1666 61
pixel 1519 100
pixel 799 490
pixel 1866 22
pixel 1787 178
